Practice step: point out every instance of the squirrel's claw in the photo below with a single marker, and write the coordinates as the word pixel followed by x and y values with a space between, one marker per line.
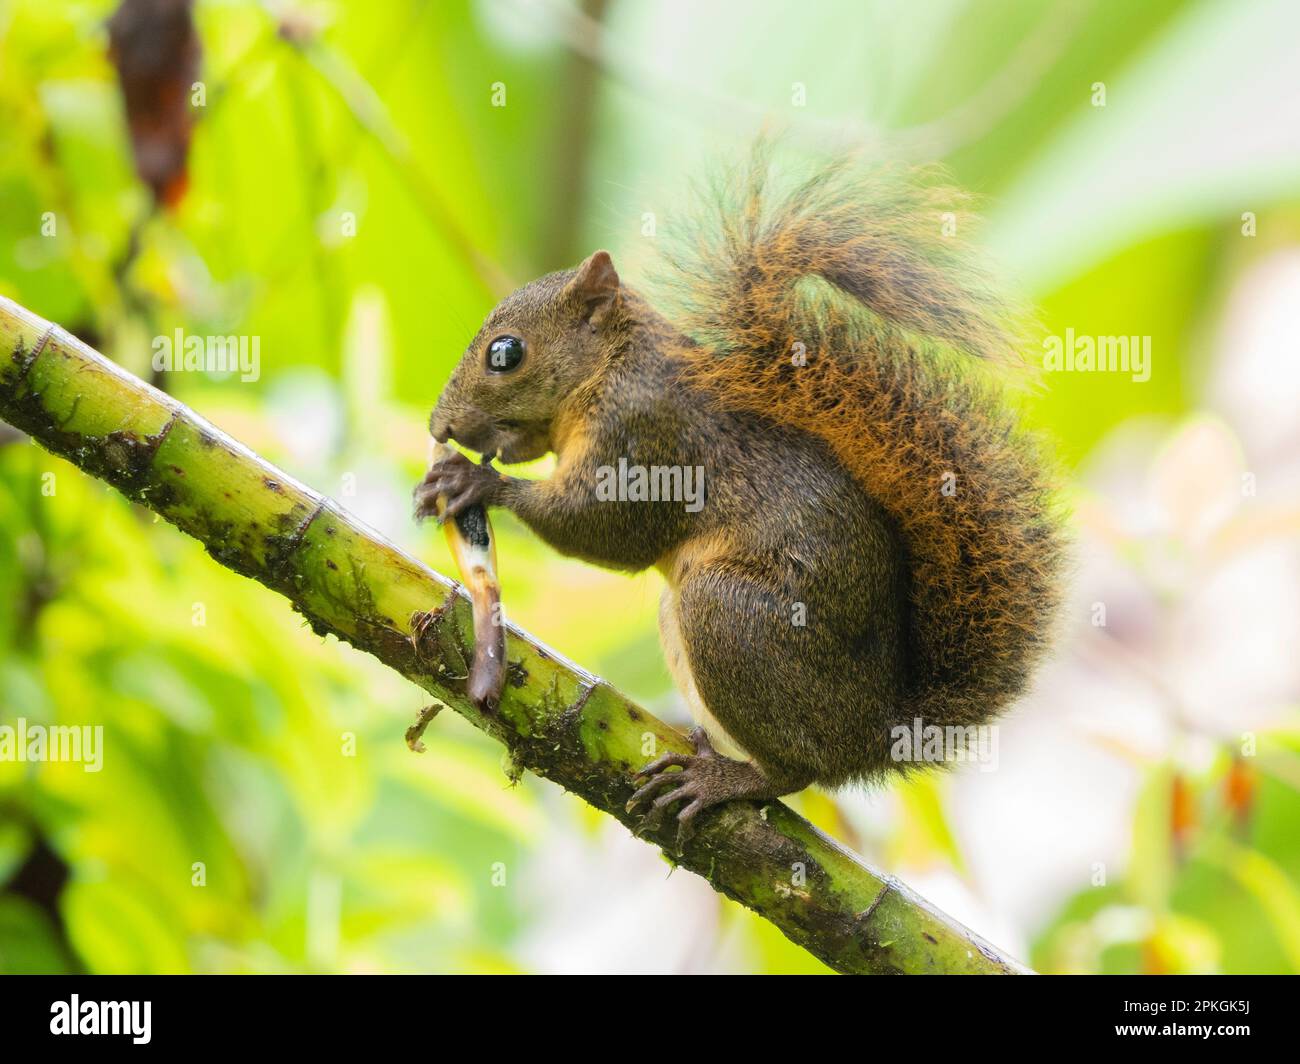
pixel 426 502
pixel 706 779
pixel 460 482
pixel 659 778
pixel 668 760
pixel 458 503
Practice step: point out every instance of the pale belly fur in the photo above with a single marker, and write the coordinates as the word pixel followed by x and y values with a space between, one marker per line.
pixel 680 667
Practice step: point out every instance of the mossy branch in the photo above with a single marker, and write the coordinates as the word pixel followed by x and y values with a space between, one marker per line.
pixel 555 719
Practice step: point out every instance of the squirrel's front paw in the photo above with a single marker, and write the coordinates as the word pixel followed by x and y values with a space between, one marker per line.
pixel 462 482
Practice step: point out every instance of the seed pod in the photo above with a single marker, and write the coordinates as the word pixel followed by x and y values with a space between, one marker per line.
pixel 473 546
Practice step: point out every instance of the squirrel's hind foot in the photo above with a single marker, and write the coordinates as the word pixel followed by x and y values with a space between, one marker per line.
pixel 705 778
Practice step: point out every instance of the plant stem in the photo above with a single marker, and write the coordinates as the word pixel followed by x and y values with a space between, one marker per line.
pixel 554 718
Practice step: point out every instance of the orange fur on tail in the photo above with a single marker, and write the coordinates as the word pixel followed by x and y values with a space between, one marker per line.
pixel 841 307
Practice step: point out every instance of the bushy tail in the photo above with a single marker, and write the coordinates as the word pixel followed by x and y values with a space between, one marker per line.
pixel 844 306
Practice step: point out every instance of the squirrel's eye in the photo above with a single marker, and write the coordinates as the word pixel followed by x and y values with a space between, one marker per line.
pixel 504 354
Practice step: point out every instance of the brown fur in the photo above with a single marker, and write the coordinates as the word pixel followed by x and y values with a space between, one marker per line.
pixel 823 481
pixel 853 266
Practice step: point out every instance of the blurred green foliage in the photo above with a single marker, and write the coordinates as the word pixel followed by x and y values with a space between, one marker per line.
pixel 336 184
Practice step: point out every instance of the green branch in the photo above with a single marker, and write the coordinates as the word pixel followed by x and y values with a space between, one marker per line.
pixel 554 719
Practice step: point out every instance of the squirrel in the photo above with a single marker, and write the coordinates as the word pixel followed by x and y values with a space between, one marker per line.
pixel 877 540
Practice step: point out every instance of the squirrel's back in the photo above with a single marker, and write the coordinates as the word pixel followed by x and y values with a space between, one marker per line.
pixel 840 308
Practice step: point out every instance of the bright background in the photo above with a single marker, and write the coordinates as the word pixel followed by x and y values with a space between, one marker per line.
pixel 1123 829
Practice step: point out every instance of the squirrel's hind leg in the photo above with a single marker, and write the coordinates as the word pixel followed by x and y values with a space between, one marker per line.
pixel 709 777
pixel 679 667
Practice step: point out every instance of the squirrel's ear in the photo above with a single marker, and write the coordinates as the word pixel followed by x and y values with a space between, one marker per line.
pixel 595 286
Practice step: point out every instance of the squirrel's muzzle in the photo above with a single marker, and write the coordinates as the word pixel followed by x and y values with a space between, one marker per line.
pixel 440 426
pixel 467 425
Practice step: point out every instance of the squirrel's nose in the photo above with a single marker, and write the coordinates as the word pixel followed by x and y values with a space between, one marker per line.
pixel 440 428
